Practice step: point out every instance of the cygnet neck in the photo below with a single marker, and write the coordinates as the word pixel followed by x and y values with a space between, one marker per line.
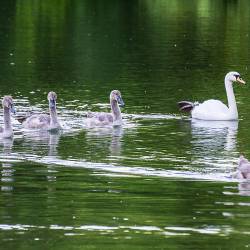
pixel 115 109
pixel 7 119
pixel 53 116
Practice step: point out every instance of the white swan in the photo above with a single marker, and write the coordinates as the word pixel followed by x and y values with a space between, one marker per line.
pixel 214 109
pixel 103 119
pixel 44 121
pixel 8 107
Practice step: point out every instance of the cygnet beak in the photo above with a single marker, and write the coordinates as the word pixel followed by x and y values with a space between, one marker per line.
pixel 12 109
pixel 52 103
pixel 120 101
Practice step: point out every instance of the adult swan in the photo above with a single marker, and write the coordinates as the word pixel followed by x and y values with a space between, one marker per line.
pixel 215 109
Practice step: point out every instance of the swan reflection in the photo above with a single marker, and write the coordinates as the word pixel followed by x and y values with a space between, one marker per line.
pixel 214 135
pixel 214 144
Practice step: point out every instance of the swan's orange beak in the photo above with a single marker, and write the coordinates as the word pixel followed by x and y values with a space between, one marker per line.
pixel 240 80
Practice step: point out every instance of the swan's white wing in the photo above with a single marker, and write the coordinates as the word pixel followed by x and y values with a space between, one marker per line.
pixel 211 110
pixel 214 106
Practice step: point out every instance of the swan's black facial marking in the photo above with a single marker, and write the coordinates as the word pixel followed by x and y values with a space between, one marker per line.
pixel 237 76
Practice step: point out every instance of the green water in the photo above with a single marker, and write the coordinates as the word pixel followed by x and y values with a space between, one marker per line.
pixel 161 181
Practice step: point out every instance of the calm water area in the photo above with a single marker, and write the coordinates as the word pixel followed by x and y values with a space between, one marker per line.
pixel 162 180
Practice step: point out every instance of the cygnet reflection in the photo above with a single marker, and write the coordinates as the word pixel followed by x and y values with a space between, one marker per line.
pixel 44 142
pixel 7 169
pixel 7 144
pixel 109 137
pixel 43 146
pixel 244 188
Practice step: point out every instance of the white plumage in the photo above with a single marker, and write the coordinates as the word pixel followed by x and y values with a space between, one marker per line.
pixel 215 109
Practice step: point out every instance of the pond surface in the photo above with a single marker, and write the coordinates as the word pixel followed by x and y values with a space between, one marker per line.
pixel 162 180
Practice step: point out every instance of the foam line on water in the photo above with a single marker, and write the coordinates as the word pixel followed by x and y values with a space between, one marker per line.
pixel 109 168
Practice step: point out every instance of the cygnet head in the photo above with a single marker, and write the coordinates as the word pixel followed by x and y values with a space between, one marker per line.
pixel 52 99
pixel 8 103
pixel 234 76
pixel 242 159
pixel 115 95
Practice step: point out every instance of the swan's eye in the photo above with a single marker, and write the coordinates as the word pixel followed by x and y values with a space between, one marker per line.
pixel 237 76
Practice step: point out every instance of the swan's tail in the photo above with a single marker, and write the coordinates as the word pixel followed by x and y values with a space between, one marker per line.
pixel 21 118
pixel 186 106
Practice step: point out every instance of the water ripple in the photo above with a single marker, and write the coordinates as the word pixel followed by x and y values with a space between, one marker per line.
pixel 116 169
pixel 173 230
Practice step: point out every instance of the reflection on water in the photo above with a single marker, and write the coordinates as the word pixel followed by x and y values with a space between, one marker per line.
pixel 7 177
pixel 7 144
pixel 215 135
pixel 37 138
pixel 107 145
pixel 115 133
pixel 214 143
pixel 50 141
pixel 244 188
pixel 7 170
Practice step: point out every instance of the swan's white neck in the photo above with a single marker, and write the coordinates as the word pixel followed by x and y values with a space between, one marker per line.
pixel 116 112
pixel 231 99
pixel 6 119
